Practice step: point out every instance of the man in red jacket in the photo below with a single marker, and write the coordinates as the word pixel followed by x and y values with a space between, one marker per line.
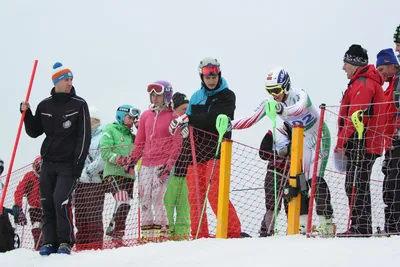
pixel 364 92
pixel 388 66
pixel 29 187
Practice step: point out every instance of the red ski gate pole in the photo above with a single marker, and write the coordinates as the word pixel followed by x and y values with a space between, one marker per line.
pixel 28 93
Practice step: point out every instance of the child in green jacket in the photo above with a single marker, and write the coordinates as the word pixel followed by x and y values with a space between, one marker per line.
pixel 116 145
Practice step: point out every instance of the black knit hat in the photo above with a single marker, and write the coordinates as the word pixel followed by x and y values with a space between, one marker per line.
pixel 179 99
pixel 356 55
pixel 396 36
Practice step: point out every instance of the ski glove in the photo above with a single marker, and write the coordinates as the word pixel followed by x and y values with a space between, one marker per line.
pixel 127 162
pixel 385 167
pixel 178 122
pixel 19 215
pixel 77 170
pixel 164 170
pixel 185 132
pixel 1 166
pixel 279 108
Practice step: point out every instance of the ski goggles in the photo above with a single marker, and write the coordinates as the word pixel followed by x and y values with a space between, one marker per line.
pixel 158 89
pixel 133 112
pixel 275 90
pixel 210 70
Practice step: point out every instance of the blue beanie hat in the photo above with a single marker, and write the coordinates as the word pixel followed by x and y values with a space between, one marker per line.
pixel 386 57
pixel 60 73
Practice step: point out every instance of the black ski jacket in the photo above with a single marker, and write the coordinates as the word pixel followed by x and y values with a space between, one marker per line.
pixel 65 120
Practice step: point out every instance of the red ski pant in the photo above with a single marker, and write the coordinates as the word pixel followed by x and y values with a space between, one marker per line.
pixel 197 194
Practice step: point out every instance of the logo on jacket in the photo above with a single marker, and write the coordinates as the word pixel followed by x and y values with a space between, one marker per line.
pixel 66 124
pixel 122 139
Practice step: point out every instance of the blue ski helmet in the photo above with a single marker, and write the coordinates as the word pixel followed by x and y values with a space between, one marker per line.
pixel 126 109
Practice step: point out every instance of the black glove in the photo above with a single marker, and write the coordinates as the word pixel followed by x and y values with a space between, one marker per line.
pixel 279 108
pixel 19 215
pixel 1 166
pixel 385 166
pixel 77 170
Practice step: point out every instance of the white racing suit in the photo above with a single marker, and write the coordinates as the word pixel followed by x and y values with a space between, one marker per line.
pixel 298 110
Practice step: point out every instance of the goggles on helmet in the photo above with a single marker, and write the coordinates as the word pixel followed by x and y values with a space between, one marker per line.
pixel 275 90
pixel 133 112
pixel 158 89
pixel 210 70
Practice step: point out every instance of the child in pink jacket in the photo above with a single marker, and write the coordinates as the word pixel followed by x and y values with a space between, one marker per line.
pixel 159 151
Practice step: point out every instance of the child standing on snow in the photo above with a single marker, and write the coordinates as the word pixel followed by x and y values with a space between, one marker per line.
pixel 176 197
pixel 159 151
pixel 115 146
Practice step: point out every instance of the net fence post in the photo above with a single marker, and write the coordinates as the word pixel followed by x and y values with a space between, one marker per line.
pixel 295 169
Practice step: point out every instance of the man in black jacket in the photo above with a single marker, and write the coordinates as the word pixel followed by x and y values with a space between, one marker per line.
pixel 64 119
pixel 212 99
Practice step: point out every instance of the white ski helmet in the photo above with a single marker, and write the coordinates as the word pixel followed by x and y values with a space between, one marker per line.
pixel 277 79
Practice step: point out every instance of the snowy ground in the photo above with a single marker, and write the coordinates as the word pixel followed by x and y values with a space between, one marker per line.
pixel 276 251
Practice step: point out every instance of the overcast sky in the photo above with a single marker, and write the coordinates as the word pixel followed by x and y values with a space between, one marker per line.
pixel 115 48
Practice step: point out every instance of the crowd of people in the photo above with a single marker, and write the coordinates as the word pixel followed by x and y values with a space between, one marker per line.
pixel 82 159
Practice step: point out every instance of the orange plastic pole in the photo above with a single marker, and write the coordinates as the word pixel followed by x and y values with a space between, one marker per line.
pixel 28 93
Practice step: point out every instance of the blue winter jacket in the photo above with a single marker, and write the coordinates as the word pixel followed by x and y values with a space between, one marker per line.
pixel 94 164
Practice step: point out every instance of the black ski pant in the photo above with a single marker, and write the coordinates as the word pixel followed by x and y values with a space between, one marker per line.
pixel 89 205
pixel 56 186
pixel 361 214
pixel 391 190
pixel 116 185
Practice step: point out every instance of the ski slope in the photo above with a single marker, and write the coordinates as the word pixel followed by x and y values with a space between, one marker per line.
pixel 280 251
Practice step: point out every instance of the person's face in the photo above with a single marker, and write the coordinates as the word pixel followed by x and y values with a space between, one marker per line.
pixel 157 100
pixel 181 109
pixel 349 69
pixel 64 86
pixel 211 81
pixel 387 71
pixel 280 97
pixel 397 47
pixel 128 120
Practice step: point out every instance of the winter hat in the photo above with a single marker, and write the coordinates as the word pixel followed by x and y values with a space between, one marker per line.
pixel 179 99
pixel 356 55
pixel 386 57
pixel 60 73
pixel 396 35
pixel 94 113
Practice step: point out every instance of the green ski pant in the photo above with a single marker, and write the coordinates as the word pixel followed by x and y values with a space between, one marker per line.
pixel 176 199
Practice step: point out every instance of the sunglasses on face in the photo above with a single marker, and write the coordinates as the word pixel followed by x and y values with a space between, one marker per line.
pixel 210 70
pixel 275 90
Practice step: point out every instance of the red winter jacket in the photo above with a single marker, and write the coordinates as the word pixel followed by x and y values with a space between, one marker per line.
pixel 364 92
pixel 29 186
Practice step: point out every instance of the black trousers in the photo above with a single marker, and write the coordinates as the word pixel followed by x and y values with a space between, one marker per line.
pixel 89 205
pixel 56 186
pixel 116 184
pixel 391 190
pixel 361 214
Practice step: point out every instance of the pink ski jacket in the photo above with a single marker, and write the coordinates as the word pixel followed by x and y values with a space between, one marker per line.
pixel 153 143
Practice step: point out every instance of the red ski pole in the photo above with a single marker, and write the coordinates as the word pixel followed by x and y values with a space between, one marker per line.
pixel 28 93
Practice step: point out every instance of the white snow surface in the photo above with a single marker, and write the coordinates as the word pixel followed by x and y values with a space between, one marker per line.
pixel 274 251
